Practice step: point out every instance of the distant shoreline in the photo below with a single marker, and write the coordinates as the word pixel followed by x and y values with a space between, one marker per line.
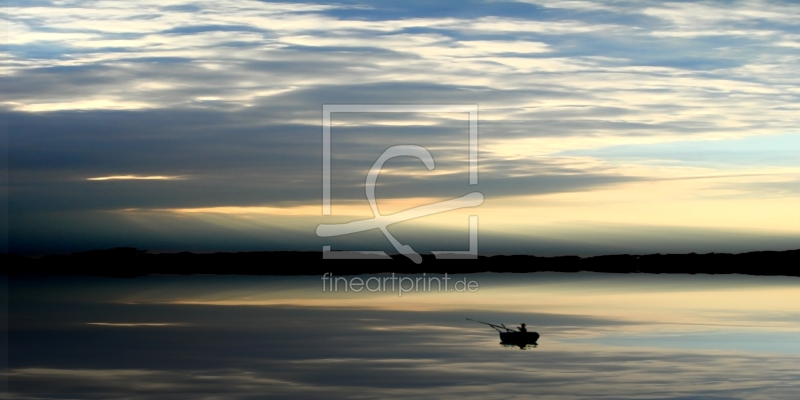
pixel 130 262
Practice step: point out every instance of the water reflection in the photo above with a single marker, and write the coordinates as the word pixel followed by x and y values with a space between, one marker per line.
pixel 94 338
pixel 520 346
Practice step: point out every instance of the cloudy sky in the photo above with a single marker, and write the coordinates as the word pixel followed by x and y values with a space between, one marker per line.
pixel 604 126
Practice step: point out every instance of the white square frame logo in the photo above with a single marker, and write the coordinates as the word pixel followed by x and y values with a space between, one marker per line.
pixel 380 221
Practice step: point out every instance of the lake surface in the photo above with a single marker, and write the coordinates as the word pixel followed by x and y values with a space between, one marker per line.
pixel 603 336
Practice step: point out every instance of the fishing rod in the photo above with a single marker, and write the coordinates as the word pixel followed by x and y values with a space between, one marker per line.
pixel 496 327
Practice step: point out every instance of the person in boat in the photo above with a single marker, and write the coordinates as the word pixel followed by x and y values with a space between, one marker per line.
pixel 522 328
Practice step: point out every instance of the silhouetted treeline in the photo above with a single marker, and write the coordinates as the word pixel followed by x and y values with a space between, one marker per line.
pixel 129 262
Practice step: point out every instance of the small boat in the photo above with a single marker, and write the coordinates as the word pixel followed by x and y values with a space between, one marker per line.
pixel 511 336
pixel 519 337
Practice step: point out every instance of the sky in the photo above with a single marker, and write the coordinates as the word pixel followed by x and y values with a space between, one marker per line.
pixel 604 126
pixel 602 336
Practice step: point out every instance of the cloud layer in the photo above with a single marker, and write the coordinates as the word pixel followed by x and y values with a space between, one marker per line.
pixel 228 95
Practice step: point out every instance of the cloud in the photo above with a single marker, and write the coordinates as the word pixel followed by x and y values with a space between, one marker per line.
pixel 230 94
pixel 135 177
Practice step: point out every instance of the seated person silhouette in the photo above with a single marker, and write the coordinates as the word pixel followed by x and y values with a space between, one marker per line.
pixel 522 328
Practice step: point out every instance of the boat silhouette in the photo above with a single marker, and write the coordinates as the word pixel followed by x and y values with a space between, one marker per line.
pixel 519 337
pixel 511 336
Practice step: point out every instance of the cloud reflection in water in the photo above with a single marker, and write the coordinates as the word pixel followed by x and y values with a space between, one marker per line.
pixel 346 351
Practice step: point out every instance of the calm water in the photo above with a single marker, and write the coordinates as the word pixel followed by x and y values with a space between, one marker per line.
pixel 603 336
